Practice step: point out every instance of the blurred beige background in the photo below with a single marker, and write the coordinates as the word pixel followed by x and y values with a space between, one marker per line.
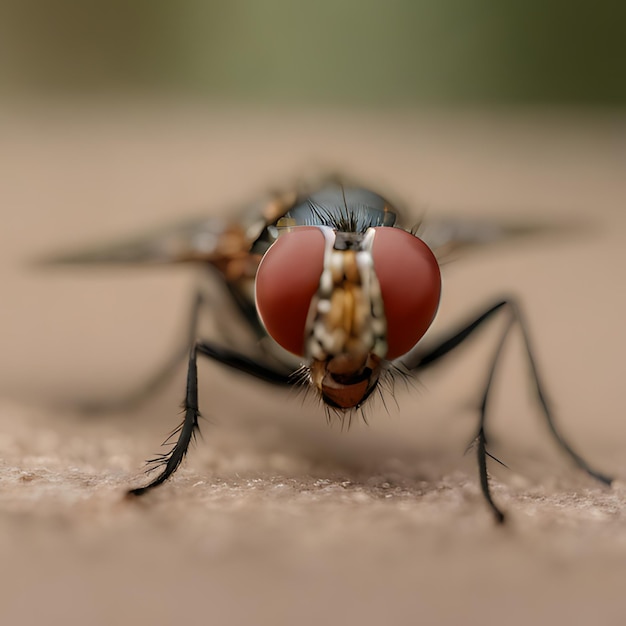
pixel 115 120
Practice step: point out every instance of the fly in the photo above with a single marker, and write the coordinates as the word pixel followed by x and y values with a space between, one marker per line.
pixel 338 293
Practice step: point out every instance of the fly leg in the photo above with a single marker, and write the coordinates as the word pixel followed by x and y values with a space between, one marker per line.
pixel 163 374
pixel 189 428
pixel 420 359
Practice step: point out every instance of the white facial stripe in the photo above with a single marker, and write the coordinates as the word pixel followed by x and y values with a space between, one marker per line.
pixel 347 314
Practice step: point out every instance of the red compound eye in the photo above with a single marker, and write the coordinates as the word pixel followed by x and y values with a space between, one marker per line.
pixel 410 282
pixel 286 281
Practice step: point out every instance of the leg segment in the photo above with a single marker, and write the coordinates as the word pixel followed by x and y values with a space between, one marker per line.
pixel 189 428
pixel 423 358
pixel 162 375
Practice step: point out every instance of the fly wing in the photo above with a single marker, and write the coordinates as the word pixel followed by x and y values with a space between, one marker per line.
pixel 203 239
pixel 193 240
pixel 446 235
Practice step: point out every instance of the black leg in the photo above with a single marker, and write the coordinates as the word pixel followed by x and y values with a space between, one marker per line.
pixel 420 359
pixel 245 364
pixel 188 430
pixel 162 375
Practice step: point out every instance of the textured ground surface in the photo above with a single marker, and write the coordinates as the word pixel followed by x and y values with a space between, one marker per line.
pixel 277 518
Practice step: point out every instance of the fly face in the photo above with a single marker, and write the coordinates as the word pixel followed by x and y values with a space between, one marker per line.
pixel 346 325
pixel 347 291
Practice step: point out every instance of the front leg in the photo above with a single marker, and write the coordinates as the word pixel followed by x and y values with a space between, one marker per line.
pixel 188 429
pixel 421 359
